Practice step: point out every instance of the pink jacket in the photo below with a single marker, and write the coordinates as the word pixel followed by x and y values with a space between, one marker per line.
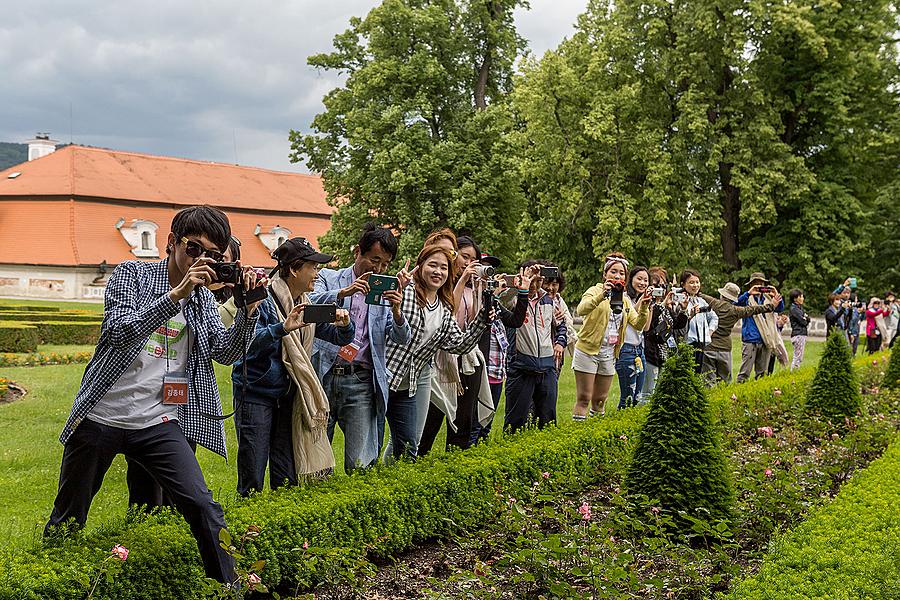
pixel 871 326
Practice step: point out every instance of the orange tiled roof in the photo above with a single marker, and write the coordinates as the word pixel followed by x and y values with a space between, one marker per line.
pixel 62 209
pixel 77 171
pixel 70 232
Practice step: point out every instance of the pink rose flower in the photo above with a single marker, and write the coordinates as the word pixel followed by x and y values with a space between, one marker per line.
pixel 768 472
pixel 305 545
pixel 765 431
pixel 654 510
pixel 545 475
pixel 585 510
pixel 253 580
pixel 120 552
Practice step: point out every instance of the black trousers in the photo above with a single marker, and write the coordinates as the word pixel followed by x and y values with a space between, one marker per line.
pixel 143 490
pixel 465 417
pixel 165 453
pixel 530 393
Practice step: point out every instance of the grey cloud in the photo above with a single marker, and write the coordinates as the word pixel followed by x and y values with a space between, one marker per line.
pixel 187 78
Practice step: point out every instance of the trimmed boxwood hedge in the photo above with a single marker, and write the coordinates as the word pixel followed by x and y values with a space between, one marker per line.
pixel 78 316
pixel 18 337
pixel 849 548
pixel 383 510
pixel 29 307
pixel 67 333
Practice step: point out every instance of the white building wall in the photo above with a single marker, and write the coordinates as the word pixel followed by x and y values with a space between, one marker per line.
pixel 59 283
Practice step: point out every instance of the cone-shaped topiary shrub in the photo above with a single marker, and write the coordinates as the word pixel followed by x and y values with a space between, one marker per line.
pixel 892 375
pixel 678 460
pixel 834 391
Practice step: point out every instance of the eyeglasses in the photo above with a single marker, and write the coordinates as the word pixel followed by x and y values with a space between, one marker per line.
pixel 195 250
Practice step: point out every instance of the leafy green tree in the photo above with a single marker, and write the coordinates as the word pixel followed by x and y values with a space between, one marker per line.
pixel 678 460
pixel 416 136
pixel 834 391
pixel 730 136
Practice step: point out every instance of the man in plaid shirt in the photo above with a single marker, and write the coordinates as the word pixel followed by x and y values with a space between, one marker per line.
pixel 150 385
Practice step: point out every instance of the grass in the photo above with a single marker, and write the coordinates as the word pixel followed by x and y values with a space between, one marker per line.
pixel 30 452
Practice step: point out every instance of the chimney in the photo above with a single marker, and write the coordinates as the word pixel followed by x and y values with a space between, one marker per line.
pixel 40 146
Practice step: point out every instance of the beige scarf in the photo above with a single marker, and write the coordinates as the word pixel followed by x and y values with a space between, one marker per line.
pixel 312 451
pixel 765 322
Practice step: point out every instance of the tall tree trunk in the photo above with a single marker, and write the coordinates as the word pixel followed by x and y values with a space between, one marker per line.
pixel 731 215
pixel 487 60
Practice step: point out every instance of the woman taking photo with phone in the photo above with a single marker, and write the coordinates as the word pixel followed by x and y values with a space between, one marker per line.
pixel 429 308
pixel 607 310
pixel 281 411
pixel 456 381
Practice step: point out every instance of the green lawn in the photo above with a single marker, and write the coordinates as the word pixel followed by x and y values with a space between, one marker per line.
pixel 30 452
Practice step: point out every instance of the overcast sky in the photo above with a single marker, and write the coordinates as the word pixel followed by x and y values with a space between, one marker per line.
pixel 187 78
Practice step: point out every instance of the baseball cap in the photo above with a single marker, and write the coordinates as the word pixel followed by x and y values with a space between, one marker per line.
pixel 299 248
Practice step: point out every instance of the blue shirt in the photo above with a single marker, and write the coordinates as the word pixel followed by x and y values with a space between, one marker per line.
pixel 267 377
pixel 749 330
pixel 379 324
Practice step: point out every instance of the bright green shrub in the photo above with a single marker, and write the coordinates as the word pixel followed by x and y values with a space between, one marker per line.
pixel 27 307
pixel 850 548
pixel 76 316
pixel 834 392
pixel 18 337
pixel 678 461
pixel 892 375
pixel 381 511
pixel 68 333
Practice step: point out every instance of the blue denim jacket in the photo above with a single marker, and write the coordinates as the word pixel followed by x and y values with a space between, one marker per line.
pixel 267 378
pixel 381 327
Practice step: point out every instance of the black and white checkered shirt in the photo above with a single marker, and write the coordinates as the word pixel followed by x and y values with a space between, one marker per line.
pixel 137 303
pixel 407 360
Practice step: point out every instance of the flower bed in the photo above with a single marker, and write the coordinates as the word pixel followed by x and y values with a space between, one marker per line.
pixel 39 359
pixel 850 547
pixel 325 531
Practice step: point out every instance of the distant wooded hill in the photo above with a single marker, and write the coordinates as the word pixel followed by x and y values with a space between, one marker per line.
pixel 12 154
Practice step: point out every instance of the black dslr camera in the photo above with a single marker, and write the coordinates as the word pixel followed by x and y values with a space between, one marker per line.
pixel 616 302
pixel 230 272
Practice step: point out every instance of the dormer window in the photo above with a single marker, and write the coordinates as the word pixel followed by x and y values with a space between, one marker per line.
pixel 272 236
pixel 141 236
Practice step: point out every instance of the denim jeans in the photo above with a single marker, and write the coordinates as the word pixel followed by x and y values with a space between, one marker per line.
pixel 406 418
pixel 651 374
pixel 631 375
pixel 351 397
pixel 264 437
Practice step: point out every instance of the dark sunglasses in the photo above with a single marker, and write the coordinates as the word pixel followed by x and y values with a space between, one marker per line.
pixel 195 250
